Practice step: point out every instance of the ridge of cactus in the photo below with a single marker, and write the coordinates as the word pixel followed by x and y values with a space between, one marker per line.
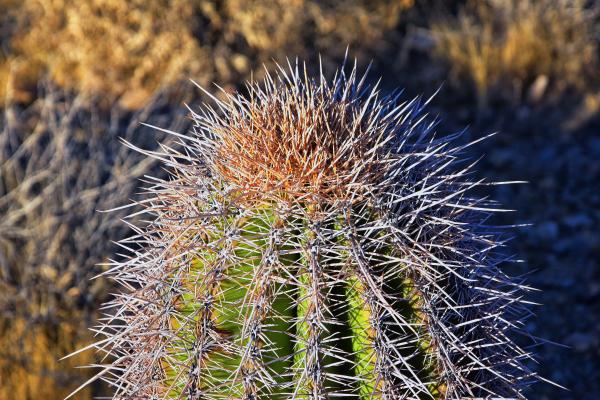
pixel 316 239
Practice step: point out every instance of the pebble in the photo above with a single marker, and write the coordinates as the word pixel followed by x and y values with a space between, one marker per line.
pixel 547 230
pixel 577 220
pixel 581 341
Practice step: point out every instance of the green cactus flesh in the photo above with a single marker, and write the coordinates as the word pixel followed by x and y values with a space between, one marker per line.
pixel 278 308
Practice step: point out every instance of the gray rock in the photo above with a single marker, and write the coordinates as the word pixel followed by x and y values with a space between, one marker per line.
pixel 547 230
pixel 577 220
pixel 581 341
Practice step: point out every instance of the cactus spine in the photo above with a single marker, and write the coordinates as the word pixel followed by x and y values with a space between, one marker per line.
pixel 316 240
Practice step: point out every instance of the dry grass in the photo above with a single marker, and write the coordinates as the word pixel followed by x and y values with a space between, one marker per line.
pixel 277 28
pixel 132 49
pixel 29 359
pixel 501 47
pixel 105 46
pixel 60 162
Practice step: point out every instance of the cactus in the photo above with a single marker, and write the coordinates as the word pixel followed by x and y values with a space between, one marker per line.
pixel 316 239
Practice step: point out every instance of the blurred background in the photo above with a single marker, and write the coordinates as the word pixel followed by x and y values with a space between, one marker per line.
pixel 77 75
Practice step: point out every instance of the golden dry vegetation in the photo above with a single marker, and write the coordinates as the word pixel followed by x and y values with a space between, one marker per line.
pixel 500 47
pixel 132 49
pixel 103 46
pixel 61 163
pixel 29 358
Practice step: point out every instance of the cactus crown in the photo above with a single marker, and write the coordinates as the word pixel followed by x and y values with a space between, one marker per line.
pixel 315 240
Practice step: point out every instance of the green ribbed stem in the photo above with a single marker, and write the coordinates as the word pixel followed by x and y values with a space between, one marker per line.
pixel 301 325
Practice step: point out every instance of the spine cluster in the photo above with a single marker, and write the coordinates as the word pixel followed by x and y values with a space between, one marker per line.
pixel 316 240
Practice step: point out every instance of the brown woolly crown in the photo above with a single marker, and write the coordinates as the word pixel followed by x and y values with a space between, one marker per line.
pixel 301 138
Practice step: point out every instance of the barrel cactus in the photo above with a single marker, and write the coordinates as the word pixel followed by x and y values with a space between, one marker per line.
pixel 316 239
